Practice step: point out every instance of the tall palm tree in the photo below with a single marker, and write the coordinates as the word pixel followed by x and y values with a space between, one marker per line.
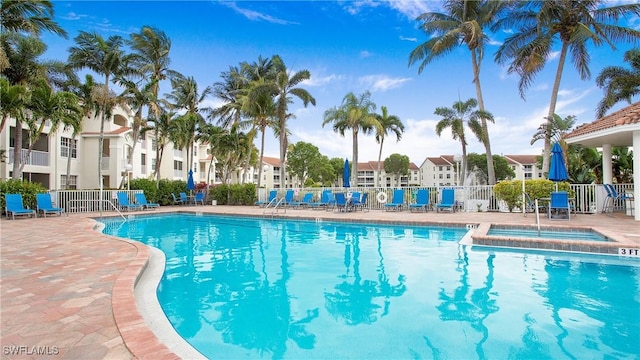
pixel 456 117
pixel 257 100
pixel 137 97
pixel 575 24
pixel 27 70
pixel 32 17
pixel 356 113
pixel 619 84
pixel 185 96
pixel 285 84
pixel 463 23
pixel 151 49
pixel 162 129
pixel 107 58
pixel 388 124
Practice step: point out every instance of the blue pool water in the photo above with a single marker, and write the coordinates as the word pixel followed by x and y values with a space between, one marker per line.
pixel 546 234
pixel 274 289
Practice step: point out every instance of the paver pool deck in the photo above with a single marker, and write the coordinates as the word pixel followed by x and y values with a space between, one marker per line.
pixel 67 291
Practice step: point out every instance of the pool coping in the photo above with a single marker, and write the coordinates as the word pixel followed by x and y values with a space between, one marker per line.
pixel 146 319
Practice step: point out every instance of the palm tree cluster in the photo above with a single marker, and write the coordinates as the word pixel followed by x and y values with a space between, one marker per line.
pixel 540 26
pixel 256 95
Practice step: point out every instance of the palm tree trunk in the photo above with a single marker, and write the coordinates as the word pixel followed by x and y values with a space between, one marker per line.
pixel 552 108
pixel 377 182
pixel 283 155
pixel 261 157
pixel 354 163
pixel 491 173
pixel 17 151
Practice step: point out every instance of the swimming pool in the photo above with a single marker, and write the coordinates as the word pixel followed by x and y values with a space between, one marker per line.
pixel 255 288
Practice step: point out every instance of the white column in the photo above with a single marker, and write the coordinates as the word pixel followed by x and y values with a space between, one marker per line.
pixel 636 175
pixel 607 164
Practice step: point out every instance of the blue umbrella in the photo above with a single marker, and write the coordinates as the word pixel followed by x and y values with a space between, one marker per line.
pixel 346 174
pixel 190 184
pixel 557 169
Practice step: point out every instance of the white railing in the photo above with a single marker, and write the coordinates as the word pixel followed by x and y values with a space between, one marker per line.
pixel 38 158
pixel 589 198
pixel 85 201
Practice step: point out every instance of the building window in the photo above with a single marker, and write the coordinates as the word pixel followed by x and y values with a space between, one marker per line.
pixel 177 165
pixel 68 145
pixel 440 168
pixel 73 179
pixel 154 145
pixel 440 176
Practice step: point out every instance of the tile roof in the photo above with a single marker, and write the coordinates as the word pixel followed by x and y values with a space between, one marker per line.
pixel 113 132
pixel 271 160
pixel 624 116
pixel 521 159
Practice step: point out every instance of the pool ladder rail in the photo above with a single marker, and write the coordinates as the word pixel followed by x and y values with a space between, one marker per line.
pixel 274 205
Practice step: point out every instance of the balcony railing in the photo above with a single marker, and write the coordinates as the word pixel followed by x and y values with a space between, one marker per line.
pixel 104 165
pixel 38 158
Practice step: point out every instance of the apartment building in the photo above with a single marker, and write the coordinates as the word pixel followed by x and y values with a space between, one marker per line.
pixel 368 174
pixel 47 162
pixel 440 171
pixel 526 165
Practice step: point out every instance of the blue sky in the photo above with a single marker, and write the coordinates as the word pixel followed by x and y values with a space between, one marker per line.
pixel 348 46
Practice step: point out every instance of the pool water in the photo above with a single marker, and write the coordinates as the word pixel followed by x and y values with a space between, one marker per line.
pixel 546 234
pixel 238 287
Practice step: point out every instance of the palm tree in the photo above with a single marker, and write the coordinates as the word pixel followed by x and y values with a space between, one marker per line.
pixel 105 57
pixel 46 104
pixel 463 23
pixel 575 23
pixel 185 95
pixel 461 114
pixel 285 84
pixel 619 84
pixel 13 99
pixel 257 101
pixel 26 70
pixel 230 90
pixel 356 114
pixel 162 130
pixel 388 124
pixel 151 48
pixel 32 17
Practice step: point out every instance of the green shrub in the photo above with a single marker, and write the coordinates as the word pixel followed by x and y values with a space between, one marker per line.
pixel 235 194
pixel 162 193
pixel 27 189
pixel 510 191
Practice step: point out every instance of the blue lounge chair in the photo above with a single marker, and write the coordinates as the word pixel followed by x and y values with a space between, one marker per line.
pixel 530 205
pixel 341 203
pixel 325 198
pixel 141 199
pixel 123 202
pixel 14 206
pixel 448 200
pixel 272 195
pixel 184 198
pixel 422 201
pixel 306 200
pixel 199 198
pixel 176 201
pixel 360 203
pixel 397 202
pixel 288 198
pixel 559 206
pixel 45 205
pixel 614 201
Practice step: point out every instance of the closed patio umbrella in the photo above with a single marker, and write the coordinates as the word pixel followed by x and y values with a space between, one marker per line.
pixel 346 174
pixel 190 184
pixel 557 169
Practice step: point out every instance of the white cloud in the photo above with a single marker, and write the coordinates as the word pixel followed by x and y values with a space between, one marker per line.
pixel 254 15
pixel 412 8
pixel 381 82
pixel 320 81
pixel 73 16
pixel 553 55
pixel 365 54
pixel 412 39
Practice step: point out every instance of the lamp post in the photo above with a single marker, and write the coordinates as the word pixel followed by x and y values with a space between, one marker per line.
pixel 457 158
pixel 128 167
